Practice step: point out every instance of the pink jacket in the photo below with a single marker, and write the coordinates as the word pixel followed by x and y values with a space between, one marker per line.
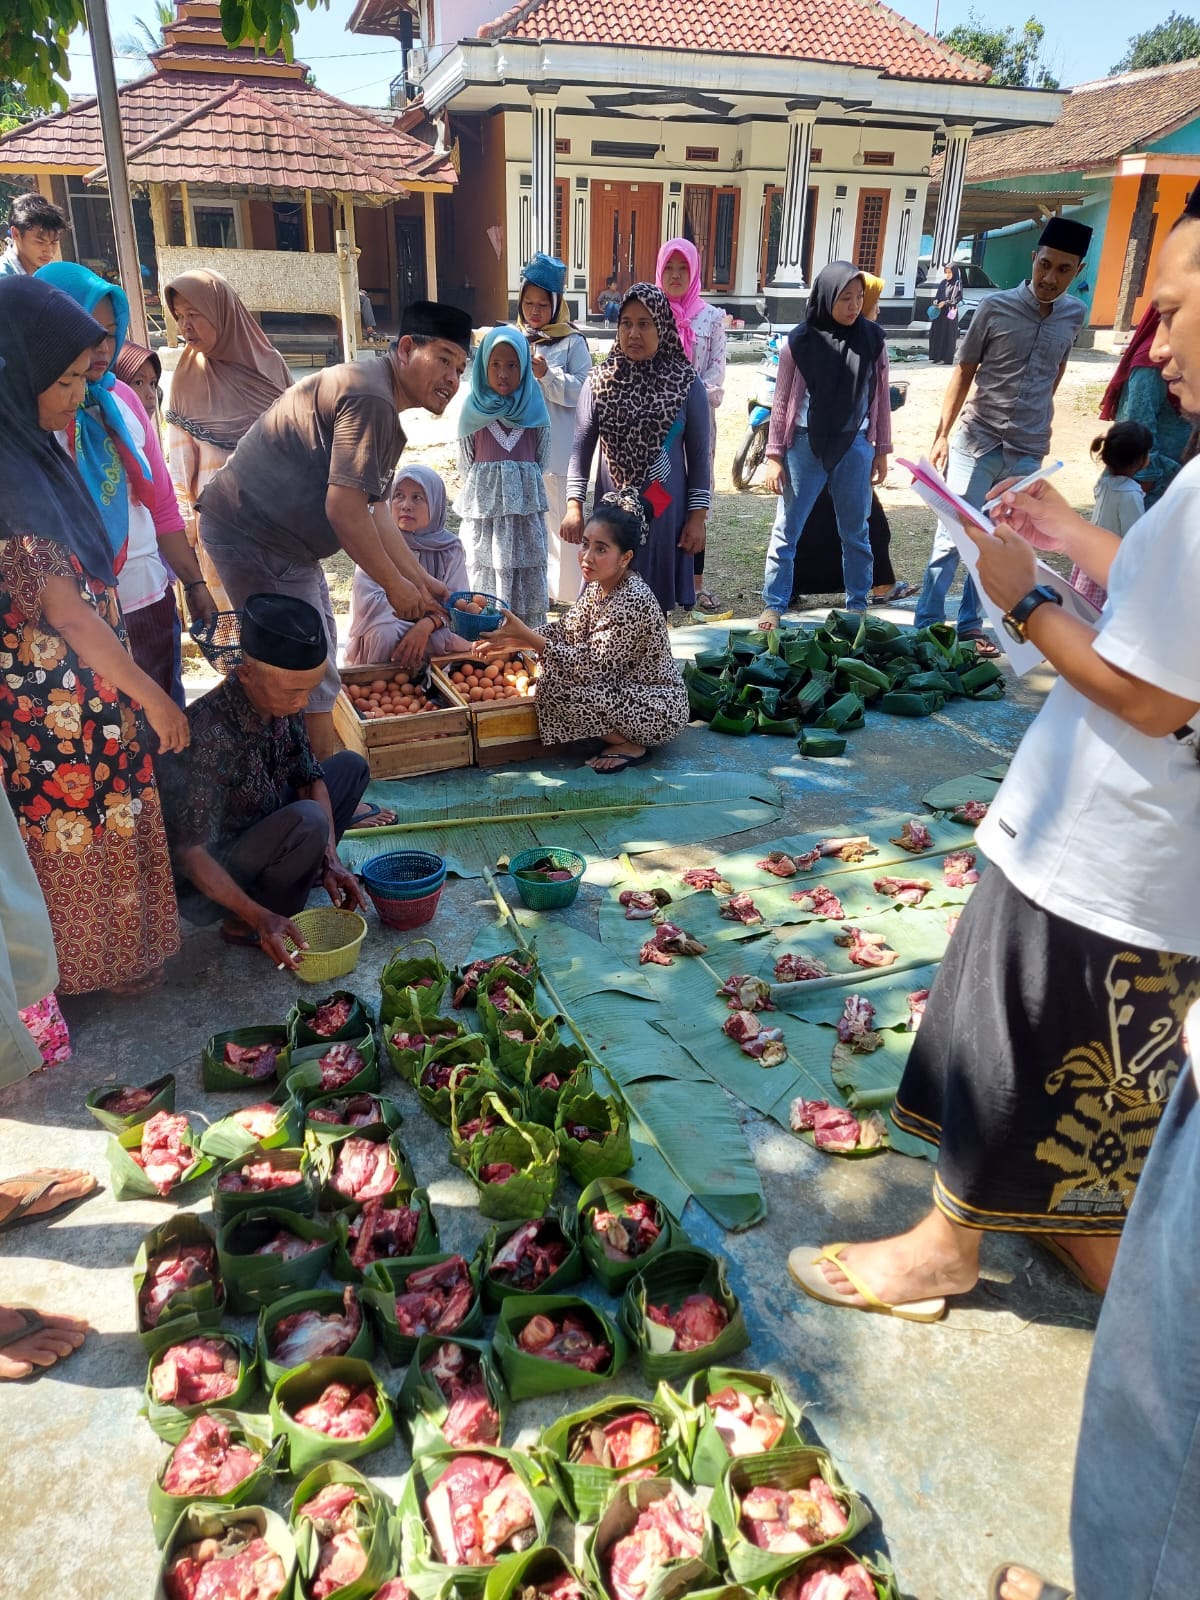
pixel 161 501
pixel 790 390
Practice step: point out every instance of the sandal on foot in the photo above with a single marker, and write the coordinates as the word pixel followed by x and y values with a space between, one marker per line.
pixel 707 601
pixel 239 934
pixel 626 761
pixel 804 1264
pixel 369 815
pixel 46 1333
pixel 21 1211
pixel 899 591
pixel 1048 1591
pixel 984 648
pixel 768 620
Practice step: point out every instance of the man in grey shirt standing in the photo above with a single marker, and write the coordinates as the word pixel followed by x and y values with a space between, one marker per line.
pixel 1015 353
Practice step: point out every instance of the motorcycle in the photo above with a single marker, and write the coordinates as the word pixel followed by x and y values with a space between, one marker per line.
pixel 753 448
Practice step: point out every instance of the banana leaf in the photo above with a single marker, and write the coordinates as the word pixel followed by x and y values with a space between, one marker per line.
pixel 805 652
pixel 904 703
pixel 614 1271
pixel 231 1138
pixel 407 1060
pixel 703 707
pixel 189 1310
pixel 725 1591
pixel 512 1055
pixel 384 1280
pixel 421 1405
pixel 877 1568
pixel 301 1386
pixel 878 630
pixel 609 1152
pixel 255 1434
pixel 471 1055
pixel 324 1301
pixel 512 1575
pixel 819 745
pixel 399 995
pixel 215 1075
pixel 849 625
pixel 128 1180
pixel 744 647
pixel 554 1059
pixel 474 1100
pixel 374 1529
pixel 171 1421
pixel 667 1281
pixel 325 1158
pixel 861 678
pixel 977 680
pixel 707 1452
pixel 305 1080
pixel 713 660
pixel 497 1288
pixel 428 1240
pixel 505 967
pixel 300 1195
pixel 767 672
pixel 162 1093
pixel 781 727
pixel 388 1117
pixel 947 683
pixel 528 1376
pixel 254 1280
pixel 848 711
pixel 299 1020
pixel 761 699
pixel 585 1488
pixel 728 719
pixel 207 1520
pixel 807 700
pixel 517 1012
pixel 672 1578
pixel 793 1468
pixel 532 1151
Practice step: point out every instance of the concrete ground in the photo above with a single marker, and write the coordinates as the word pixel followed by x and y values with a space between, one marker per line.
pixel 960 1435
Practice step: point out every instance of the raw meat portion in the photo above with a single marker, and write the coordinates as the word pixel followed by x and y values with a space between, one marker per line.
pixel 866 949
pixel 435 1299
pixel 288 1246
pixel 971 811
pixel 707 878
pixel 478 1509
pixel 624 1441
pixel 330 1016
pixel 575 1340
pixel 471 1417
pixel 760 1044
pixel 338 1065
pixel 836 1128
pixel 854 1025
pixel 257 1177
pixel 260 1121
pixel 667 1530
pixel 641 904
pixel 416 1041
pixel 740 908
pixel 959 869
pixel 778 864
pixel 306 1335
pixel 350 1111
pixel 821 902
pixel 904 891
pixel 341 1411
pixel 799 969
pixel 747 1426
pixel 853 849
pixel 836 1576
pixel 171 1272
pixel 952 921
pixel 478 1128
pixel 165 1156
pixel 792 1519
pixel 916 1008
pixel 629 1232
pixel 497 1172
pixel 530 1255
pixel 124 1102
pixel 914 836
pixel 337 1515
pixel 365 1169
pixel 743 993
pixel 393 1589
pixel 697 1322
pixel 563 1587
pixel 475 971
pixel 381 1233
pixel 195 1373
pixel 207 1462
pixel 669 939
pixel 253 1061
pixel 439 1074
pixel 238 1566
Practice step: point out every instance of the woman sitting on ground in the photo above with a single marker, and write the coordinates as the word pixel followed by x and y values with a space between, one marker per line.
pixel 376 632
pixel 607 668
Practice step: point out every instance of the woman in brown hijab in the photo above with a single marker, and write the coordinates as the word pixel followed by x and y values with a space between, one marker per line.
pixel 228 375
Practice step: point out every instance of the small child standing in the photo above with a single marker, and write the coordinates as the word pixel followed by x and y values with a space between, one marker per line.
pixel 503 446
pixel 1120 499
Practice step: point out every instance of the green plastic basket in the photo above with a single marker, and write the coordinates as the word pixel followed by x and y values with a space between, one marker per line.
pixel 548 896
pixel 334 940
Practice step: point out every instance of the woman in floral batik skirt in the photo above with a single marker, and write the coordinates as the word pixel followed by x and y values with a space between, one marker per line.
pixel 74 706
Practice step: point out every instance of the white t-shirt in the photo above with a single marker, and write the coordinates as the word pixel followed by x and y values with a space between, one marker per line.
pixel 1096 822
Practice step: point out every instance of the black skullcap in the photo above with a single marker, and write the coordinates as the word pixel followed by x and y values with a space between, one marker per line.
pixel 1067 235
pixel 431 319
pixel 283 632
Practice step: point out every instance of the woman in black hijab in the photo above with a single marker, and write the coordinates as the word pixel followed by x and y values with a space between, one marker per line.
pixel 74 750
pixel 830 424
pixel 943 330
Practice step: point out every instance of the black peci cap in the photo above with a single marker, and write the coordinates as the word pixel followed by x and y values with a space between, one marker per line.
pixel 431 319
pixel 283 632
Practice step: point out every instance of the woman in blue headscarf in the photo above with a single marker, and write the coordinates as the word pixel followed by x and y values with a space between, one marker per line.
pixel 503 445
pixel 120 459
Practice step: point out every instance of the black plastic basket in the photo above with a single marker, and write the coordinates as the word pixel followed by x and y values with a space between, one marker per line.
pixel 219 640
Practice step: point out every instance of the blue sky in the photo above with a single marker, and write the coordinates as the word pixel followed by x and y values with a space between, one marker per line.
pixel 360 69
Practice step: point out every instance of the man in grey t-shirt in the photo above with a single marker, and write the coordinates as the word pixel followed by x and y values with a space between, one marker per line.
pixel 1014 353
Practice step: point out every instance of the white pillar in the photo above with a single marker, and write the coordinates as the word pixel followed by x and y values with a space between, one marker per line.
pixel 542 208
pixel 954 173
pixel 789 271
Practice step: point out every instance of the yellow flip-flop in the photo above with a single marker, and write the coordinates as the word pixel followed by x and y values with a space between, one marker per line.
pixel 804 1264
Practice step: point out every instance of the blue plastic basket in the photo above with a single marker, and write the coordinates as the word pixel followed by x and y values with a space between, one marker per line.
pixel 548 896
pixel 465 623
pixel 403 874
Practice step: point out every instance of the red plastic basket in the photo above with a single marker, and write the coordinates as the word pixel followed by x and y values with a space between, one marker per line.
pixel 404 914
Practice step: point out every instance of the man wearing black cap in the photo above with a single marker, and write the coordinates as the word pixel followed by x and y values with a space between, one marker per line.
pixel 1015 353
pixel 252 818
pixel 311 478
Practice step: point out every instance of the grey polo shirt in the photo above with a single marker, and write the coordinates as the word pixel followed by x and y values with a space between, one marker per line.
pixel 1018 352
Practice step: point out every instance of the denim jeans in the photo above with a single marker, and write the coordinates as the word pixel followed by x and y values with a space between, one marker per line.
pixel 850 490
pixel 972 477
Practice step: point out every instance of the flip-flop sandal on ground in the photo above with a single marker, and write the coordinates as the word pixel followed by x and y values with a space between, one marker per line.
pixel 767 621
pixel 984 648
pixel 707 601
pixel 371 816
pixel 626 761
pixel 1062 1255
pixel 21 1212
pixel 804 1264
pixel 1048 1591
pixel 31 1323
pixel 898 591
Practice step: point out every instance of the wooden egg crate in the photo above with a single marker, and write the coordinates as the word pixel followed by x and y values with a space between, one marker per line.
pixel 399 744
pixel 504 729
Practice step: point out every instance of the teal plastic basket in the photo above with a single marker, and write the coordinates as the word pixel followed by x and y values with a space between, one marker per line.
pixel 548 896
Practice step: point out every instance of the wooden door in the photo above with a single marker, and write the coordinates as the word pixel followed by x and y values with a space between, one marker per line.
pixel 626 231
pixel 410 260
pixel 870 231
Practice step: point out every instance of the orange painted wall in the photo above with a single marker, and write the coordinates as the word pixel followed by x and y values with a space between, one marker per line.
pixel 1172 196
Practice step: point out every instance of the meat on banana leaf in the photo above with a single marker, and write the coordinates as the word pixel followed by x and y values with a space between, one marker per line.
pixel 866 949
pixel 799 969
pixel 240 1565
pixel 207 1462
pixel 253 1061
pixel 904 891
pixel 747 1425
pixel 340 1063
pixel 819 901
pixel 619 1442
pixel 364 1169
pixel 530 1254
pixel 785 1520
pixel 959 870
pixel 339 1518
pixel 309 1334
pixel 854 1026
pixel 435 1299
pixel 170 1272
pixel 836 1575
pixel 697 1322
pixel 196 1372
pixel 331 1015
pixel 629 1230
pixel 165 1153
pixel 574 1339
pixel 471 1418
pixel 914 836
pixel 381 1232
pixel 341 1411
pixel 477 1510
pixel 666 1530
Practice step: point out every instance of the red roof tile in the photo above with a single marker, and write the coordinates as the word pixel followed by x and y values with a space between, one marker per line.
pixel 860 33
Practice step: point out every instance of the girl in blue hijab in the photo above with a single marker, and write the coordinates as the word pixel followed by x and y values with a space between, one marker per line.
pixel 503 443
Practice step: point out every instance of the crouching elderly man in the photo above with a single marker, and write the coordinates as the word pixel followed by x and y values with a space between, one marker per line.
pixel 253 819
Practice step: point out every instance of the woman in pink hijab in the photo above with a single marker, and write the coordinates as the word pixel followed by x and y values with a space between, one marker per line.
pixel 702 332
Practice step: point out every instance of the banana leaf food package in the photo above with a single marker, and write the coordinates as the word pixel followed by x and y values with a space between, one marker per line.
pixel 681 1315
pixel 178 1282
pixel 476 1109
pixel 455 1064
pixel 514 1169
pixel 224 1458
pixel 333 1116
pixel 589 1451
pixel 653 1542
pixel 241 1551
pixel 266 1124
pixel 774 1510
pixel 410 1037
pixel 545 1343
pixel 542 1573
pixel 370 1164
pixel 621 1228
pixel 838 1573
pixel 268 1252
pixel 342 1525
pixel 334 1408
pixel 503 1013
pixel 309 1325
pixel 422 1294
pixel 452 1395
pixel 119 1107
pixel 246 1058
pixel 549 1071
pixel 195 1373
pixel 281 1178
pixel 513 967
pixel 383 1230
pixel 340 1015
pixel 733 1413
pixel 338 1066
pixel 593 1135
pixel 538 1256
pixel 156 1158
pixel 409 981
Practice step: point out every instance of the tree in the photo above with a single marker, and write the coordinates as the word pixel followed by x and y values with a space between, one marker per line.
pixel 1014 57
pixel 146 36
pixel 34 39
pixel 1176 39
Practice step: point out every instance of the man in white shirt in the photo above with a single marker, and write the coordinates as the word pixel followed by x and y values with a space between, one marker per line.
pixel 34 226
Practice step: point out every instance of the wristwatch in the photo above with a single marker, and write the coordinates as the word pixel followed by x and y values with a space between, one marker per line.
pixel 1016 619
